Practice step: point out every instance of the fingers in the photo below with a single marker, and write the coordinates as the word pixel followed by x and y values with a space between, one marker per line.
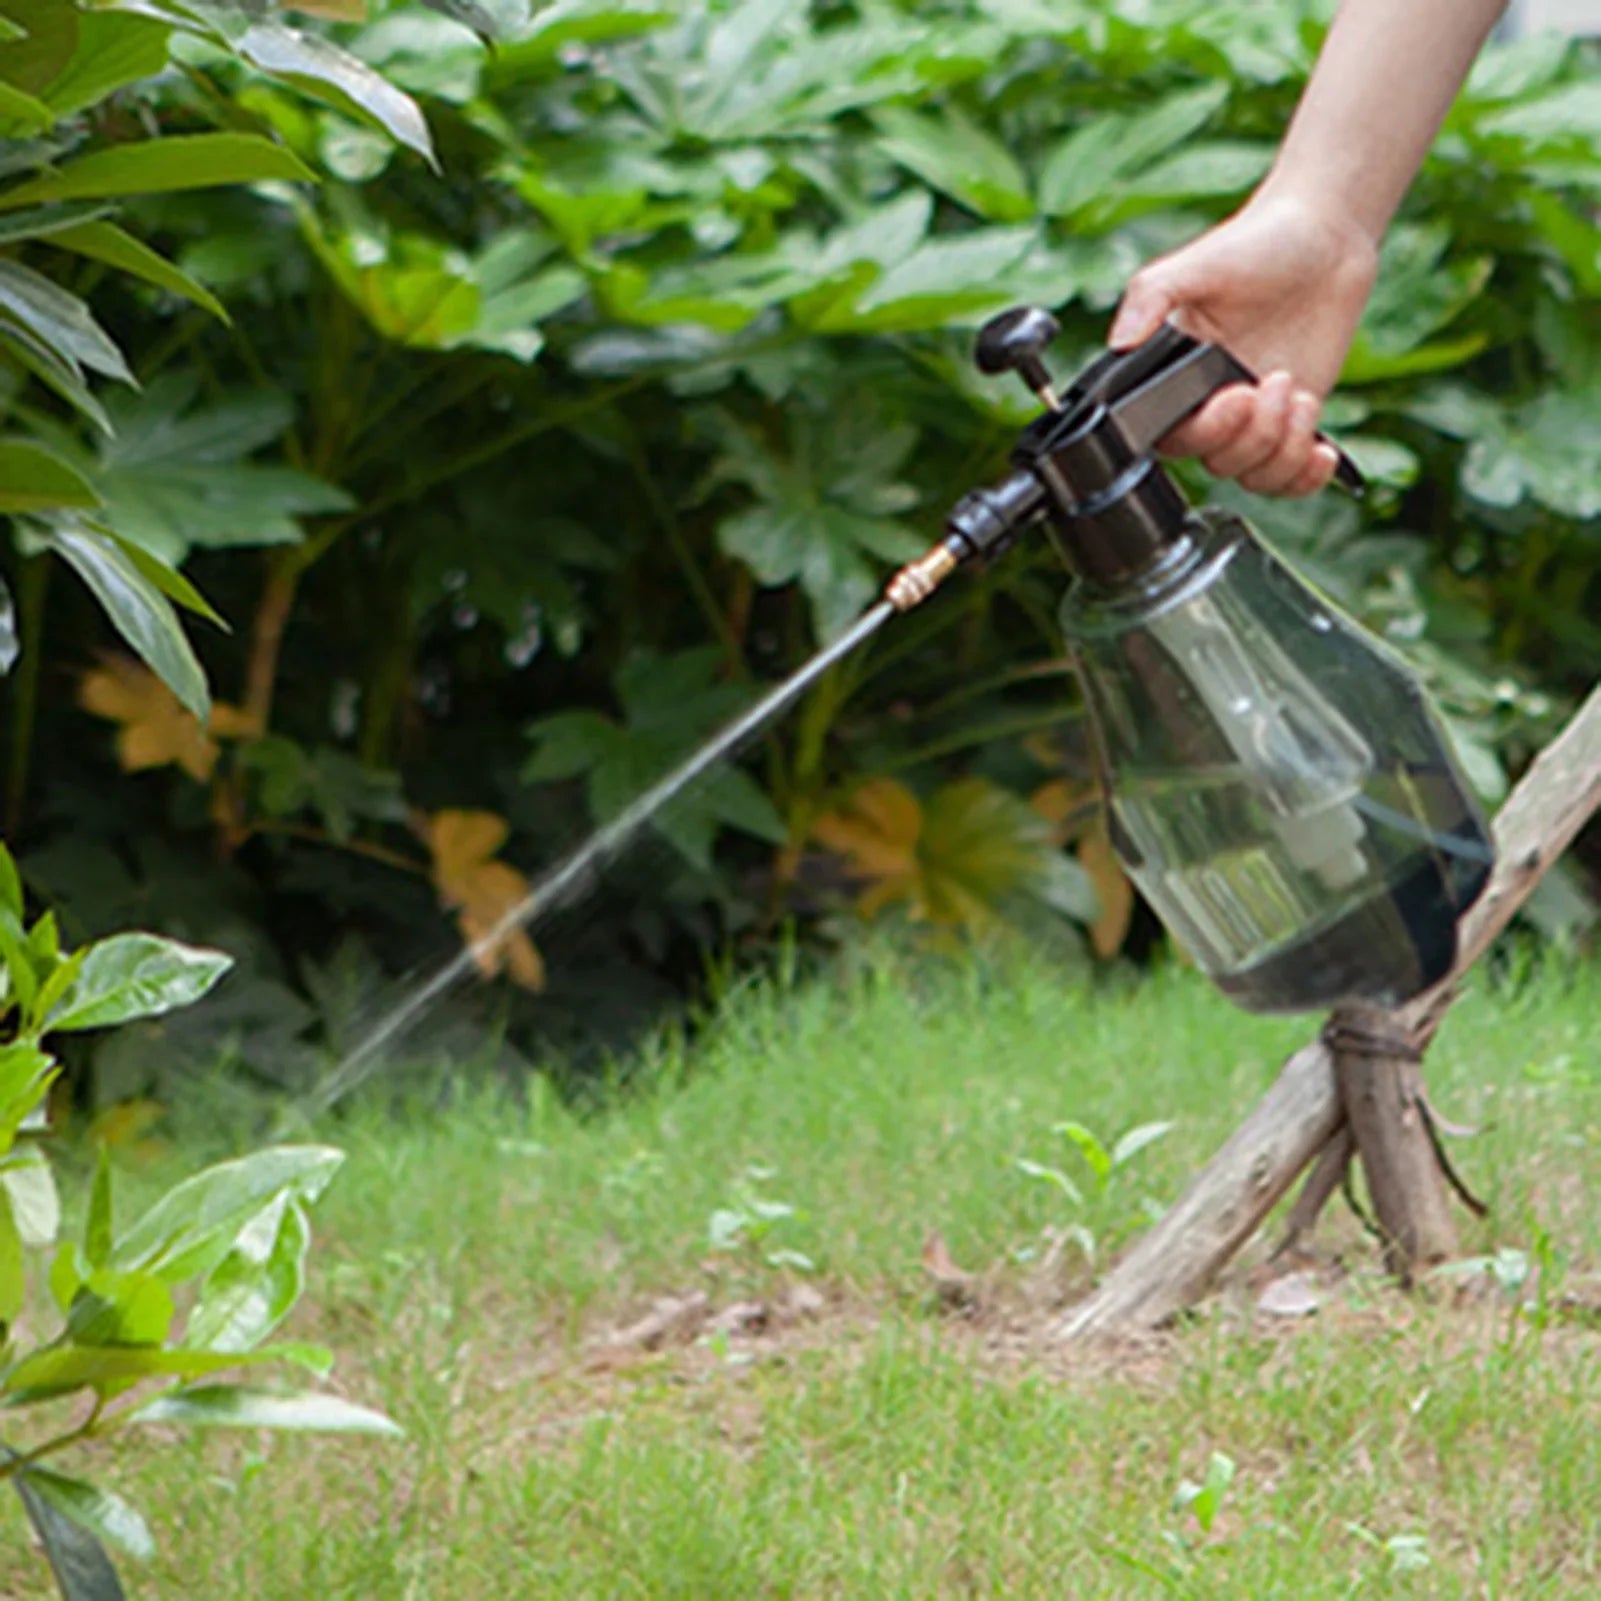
pixel 1265 436
pixel 1141 312
pixel 1296 442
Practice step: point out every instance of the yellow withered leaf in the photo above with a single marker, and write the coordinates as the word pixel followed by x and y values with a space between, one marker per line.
pixel 877 833
pixel 482 891
pixel 155 728
pixel 1112 889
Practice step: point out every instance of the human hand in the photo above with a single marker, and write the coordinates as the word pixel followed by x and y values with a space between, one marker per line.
pixel 1281 285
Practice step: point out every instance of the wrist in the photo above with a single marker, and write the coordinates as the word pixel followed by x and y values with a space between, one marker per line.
pixel 1343 236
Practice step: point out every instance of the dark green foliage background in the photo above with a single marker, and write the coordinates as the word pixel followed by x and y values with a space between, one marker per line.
pixel 553 455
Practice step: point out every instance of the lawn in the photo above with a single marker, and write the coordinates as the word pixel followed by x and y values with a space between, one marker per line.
pixel 688 1345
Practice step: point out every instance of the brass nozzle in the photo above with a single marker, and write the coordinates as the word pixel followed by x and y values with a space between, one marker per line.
pixel 917 580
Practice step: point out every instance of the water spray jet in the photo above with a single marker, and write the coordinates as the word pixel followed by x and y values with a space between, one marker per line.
pixel 1276 782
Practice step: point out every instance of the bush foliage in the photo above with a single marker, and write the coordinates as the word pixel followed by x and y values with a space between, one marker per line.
pixel 539 384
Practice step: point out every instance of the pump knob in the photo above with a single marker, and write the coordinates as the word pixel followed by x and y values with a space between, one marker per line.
pixel 1016 341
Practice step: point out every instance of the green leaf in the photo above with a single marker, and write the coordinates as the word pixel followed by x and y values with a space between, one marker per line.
pixel 111 1308
pixel 35 355
pixel 235 1407
pixel 10 644
pixel 163 166
pixel 100 1225
pixel 135 975
pixel 106 1516
pixel 195 1224
pixel 670 704
pixel 41 222
pixel 26 1074
pixel 168 580
pixel 24 980
pixel 1135 1140
pixel 10 885
pixel 110 1369
pixel 35 1205
pixel 13 1276
pixel 1089 1147
pixel 103 241
pixel 256 1285
pixel 22 114
pixel 137 609
pixel 956 155
pixel 1116 144
pixel 319 68
pixel 174 475
pixel 114 48
pixel 470 14
pixel 61 321
pixel 49 41
pixel 33 479
pixel 82 1569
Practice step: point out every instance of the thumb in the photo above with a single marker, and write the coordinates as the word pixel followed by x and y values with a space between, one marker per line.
pixel 1145 304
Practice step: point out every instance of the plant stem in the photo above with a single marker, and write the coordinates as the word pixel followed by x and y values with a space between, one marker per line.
pixel 356 847
pixel 33 588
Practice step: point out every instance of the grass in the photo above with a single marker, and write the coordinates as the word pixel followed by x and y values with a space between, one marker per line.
pixel 475 1256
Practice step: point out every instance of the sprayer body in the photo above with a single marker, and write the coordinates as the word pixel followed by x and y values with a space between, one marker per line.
pixel 1276 782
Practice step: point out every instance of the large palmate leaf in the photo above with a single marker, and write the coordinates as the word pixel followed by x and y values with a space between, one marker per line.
pixel 176 474
pixel 825 507
pixel 1417 296
pixel 669 704
pixel 1547 450
pixel 417 291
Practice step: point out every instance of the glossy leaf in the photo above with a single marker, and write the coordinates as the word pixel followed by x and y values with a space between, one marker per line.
pixel 162 166
pixel 137 608
pixel 10 644
pixel 136 975
pixel 320 68
pixel 32 479
pixel 122 1309
pixel 30 1185
pixel 100 1225
pixel 235 1407
pixel 110 1369
pixel 79 1562
pixel 255 1287
pixel 13 1276
pixel 61 321
pixel 99 1512
pixel 825 506
pixel 10 885
pixel 195 1224
pixel 103 241
pixel 26 1073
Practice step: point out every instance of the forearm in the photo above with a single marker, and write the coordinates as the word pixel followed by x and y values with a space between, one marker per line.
pixel 1384 81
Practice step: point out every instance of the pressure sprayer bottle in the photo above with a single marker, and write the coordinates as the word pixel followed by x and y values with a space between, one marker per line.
pixel 1275 780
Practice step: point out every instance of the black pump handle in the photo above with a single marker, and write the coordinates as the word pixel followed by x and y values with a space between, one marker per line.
pixel 1153 387
pixel 1149 389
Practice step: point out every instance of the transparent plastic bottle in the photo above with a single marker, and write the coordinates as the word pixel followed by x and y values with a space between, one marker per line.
pixel 1277 783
